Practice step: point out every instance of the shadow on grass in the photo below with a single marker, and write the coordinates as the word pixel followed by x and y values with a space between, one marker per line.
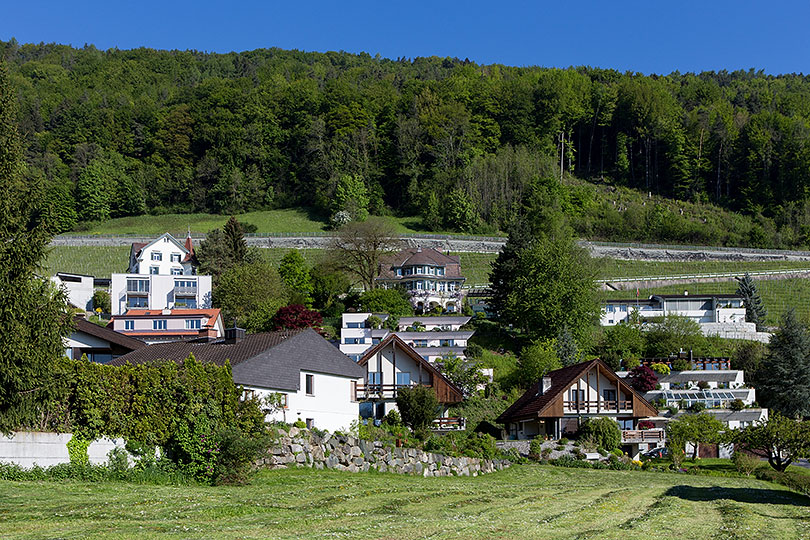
pixel 743 495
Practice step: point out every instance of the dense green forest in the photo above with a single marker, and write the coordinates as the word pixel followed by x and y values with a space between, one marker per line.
pixel 463 146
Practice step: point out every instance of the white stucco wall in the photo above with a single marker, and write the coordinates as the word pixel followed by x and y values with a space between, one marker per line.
pixel 80 293
pixel 331 407
pixel 27 449
pixel 161 291
pixel 166 247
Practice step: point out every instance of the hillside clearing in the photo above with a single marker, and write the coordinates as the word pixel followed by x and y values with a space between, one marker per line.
pixel 523 502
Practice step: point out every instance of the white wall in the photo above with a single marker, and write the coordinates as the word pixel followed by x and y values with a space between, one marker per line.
pixel 161 291
pixel 166 246
pixel 332 406
pixel 27 449
pixel 80 293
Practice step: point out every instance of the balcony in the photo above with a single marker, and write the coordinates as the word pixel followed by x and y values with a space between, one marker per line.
pixel 450 423
pixel 642 435
pixel 601 406
pixel 379 391
pixel 185 291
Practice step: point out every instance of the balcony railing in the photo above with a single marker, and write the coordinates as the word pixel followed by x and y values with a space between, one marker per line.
pixel 598 406
pixel 450 423
pixel 642 435
pixel 185 291
pixel 380 391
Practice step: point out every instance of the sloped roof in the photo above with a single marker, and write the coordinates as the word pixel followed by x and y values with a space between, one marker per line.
pixel 267 360
pixel 107 334
pixel 530 404
pixel 212 313
pixel 417 257
pixel 410 351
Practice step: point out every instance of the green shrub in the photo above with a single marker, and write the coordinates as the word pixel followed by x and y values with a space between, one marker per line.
pixel 603 431
pixel 616 452
pixel 392 418
pixel 697 407
pixel 563 441
pixel 300 424
pixel 77 450
pixel 536 448
pixel 560 447
pixel 744 463
pixel 736 405
pixel 418 406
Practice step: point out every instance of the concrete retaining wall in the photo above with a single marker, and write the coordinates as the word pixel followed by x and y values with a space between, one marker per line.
pixel 304 448
pixel 29 448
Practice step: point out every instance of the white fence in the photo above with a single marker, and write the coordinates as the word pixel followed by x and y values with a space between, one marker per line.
pixel 28 448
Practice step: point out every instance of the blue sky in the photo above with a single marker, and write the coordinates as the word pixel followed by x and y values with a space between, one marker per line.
pixel 653 36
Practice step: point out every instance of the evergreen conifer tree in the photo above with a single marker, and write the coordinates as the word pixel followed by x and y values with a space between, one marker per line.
pixel 235 241
pixel 755 311
pixel 566 347
pixel 33 314
pixel 786 388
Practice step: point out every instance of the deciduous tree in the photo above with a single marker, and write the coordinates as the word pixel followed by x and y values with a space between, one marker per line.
pixel 359 247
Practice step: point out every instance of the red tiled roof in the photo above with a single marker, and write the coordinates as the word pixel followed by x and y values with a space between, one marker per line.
pixel 147 333
pixel 210 313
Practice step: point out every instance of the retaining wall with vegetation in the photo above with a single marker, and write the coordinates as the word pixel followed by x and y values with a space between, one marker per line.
pixel 296 447
pixel 29 448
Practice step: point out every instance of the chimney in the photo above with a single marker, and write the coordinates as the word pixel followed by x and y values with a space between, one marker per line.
pixel 234 335
pixel 546 384
pixel 207 332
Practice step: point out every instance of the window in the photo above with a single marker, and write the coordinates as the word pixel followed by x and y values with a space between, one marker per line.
pixel 137 301
pixel 447 343
pixel 374 377
pixel 129 325
pixel 154 270
pixel 175 257
pixel 420 343
pixel 609 395
pixel 609 309
pixel 577 395
pixel 159 324
pixel 403 379
pixel 375 340
pixel 186 303
pixel 440 271
pixel 157 256
pixel 399 271
pixel 177 271
pixel 355 341
pixel 625 424
pixel 354 325
pixel 137 285
pixel 193 324
pixel 310 385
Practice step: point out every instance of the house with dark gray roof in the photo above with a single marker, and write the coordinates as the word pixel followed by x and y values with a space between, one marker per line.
pixel 311 379
pixel 100 344
pixel 432 278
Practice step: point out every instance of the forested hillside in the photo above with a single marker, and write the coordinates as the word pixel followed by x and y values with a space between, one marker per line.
pixel 463 146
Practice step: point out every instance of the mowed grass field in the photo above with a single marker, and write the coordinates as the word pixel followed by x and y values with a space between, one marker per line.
pixel 529 501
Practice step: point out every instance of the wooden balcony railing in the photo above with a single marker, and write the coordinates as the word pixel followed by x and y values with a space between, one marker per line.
pixel 380 391
pixel 450 423
pixel 598 406
pixel 642 435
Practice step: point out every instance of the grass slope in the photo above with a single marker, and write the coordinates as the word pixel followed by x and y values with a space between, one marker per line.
pixel 523 502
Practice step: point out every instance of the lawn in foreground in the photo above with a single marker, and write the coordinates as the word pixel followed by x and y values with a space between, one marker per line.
pixel 529 501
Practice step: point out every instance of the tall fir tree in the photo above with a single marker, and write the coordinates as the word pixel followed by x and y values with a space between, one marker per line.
pixel 566 347
pixel 786 388
pixel 33 315
pixel 755 311
pixel 235 240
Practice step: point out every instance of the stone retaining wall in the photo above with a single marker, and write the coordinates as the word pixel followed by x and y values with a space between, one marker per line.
pixel 330 451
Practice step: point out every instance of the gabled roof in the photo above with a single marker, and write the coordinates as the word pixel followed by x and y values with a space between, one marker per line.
pixel 107 334
pixel 138 247
pixel 532 405
pixel 416 357
pixel 269 360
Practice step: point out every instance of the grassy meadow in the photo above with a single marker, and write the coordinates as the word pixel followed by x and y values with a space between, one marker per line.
pixel 528 501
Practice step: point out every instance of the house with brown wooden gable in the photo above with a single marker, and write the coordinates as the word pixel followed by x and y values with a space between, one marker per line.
pixel 557 404
pixel 392 365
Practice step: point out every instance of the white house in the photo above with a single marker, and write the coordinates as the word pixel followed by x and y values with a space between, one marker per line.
pixel 432 337
pixel 720 315
pixel 164 255
pixel 313 380
pixel 430 277
pixel 79 289
pixel 98 343
pixel 159 326
pixel 159 291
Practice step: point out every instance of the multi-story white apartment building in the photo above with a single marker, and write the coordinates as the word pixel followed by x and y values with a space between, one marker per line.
pixel 431 337
pixel 162 275
pixel 429 276
pixel 161 326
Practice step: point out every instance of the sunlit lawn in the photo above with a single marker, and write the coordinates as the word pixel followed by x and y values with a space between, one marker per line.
pixel 524 502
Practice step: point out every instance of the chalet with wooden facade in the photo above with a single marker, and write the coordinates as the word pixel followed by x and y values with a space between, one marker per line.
pixel 392 365
pixel 558 403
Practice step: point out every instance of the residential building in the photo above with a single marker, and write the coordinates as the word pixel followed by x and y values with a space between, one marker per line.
pixel 79 289
pixel 158 292
pixel 479 299
pixel 99 343
pixel 720 315
pixel 557 404
pixel 392 365
pixel 158 326
pixel 432 337
pixel 429 276
pixel 164 255
pixel 313 381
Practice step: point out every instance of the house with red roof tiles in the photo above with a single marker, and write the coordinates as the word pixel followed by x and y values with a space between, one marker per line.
pixel 166 325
